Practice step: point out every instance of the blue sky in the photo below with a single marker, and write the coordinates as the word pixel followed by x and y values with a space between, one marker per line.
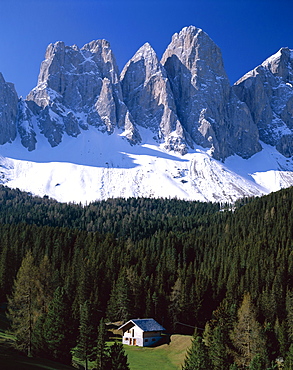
pixel 247 31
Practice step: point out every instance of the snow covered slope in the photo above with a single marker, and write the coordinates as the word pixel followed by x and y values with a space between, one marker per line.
pixel 97 166
pixel 169 128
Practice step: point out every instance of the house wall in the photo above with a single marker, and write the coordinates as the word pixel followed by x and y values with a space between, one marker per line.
pixel 133 337
pixel 136 337
pixel 151 338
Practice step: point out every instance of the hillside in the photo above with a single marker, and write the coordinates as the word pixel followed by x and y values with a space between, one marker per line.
pixel 165 357
pixel 175 261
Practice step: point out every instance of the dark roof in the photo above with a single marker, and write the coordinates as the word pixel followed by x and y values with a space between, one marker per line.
pixel 145 324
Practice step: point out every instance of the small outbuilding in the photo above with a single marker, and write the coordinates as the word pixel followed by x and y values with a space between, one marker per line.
pixel 141 332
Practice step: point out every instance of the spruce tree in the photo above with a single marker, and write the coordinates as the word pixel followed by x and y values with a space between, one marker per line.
pixel 117 359
pixel 217 350
pixel 119 305
pixel 288 365
pixel 86 343
pixel 101 346
pixel 58 332
pixel 197 356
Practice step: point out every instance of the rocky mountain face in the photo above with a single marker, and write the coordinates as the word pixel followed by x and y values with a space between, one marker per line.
pixel 184 100
pixel 207 107
pixel 8 111
pixel 149 98
pixel 76 88
pixel 268 92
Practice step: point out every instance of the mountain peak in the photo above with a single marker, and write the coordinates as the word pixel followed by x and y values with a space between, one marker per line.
pixel 281 64
pixel 189 31
pixel 145 52
pixel 181 105
pixel 96 45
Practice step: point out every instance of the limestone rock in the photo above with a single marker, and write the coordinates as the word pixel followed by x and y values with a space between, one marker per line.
pixel 268 92
pixel 25 125
pixel 8 111
pixel 149 98
pixel 207 108
pixel 77 87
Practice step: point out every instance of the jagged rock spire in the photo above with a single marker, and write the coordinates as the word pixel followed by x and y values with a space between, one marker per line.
pixel 268 92
pixel 207 109
pixel 148 96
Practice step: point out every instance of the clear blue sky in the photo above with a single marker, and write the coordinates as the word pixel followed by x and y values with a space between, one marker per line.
pixel 247 31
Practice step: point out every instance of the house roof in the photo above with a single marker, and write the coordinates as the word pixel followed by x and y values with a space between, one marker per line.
pixel 144 324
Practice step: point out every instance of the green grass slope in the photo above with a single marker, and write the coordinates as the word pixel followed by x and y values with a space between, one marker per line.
pixel 10 359
pixel 165 357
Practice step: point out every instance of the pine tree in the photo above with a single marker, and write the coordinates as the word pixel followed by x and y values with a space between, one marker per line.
pixel 85 349
pixel 23 309
pixel 197 356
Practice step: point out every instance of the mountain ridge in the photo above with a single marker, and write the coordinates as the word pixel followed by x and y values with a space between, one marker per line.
pixel 180 109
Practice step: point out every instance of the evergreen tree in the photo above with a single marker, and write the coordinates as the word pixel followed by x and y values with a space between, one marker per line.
pixel 58 332
pixel 101 346
pixel 85 349
pixel 117 359
pixel 23 309
pixel 289 306
pixel 217 349
pixel 38 338
pixel 288 365
pixel 197 356
pixel 257 363
pixel 119 305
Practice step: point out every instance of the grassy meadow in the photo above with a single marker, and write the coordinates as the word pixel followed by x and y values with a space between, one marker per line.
pixel 165 357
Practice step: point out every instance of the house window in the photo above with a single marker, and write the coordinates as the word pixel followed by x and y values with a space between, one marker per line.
pixel 153 339
pixel 126 338
pixel 146 340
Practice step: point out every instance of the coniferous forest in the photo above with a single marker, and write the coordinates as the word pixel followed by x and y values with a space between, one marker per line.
pixel 227 271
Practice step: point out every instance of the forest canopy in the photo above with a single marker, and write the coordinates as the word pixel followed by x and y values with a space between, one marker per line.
pixel 186 264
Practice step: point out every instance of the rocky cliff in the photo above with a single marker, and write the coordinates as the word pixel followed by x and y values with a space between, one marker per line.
pixel 268 92
pixel 149 98
pixel 207 107
pixel 8 111
pixel 183 100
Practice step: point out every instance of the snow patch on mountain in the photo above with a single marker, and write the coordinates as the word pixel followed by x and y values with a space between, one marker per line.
pixel 95 166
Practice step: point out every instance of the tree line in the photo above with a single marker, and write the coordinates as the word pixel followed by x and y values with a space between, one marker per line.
pixel 186 264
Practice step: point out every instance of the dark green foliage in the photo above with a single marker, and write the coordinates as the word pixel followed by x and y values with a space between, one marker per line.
pixel 86 344
pixel 289 359
pixel 197 356
pixel 119 306
pixel 102 355
pixel 117 359
pixel 183 263
pixel 57 328
pixel 258 363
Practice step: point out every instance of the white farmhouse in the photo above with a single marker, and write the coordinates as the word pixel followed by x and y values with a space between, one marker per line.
pixel 141 332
